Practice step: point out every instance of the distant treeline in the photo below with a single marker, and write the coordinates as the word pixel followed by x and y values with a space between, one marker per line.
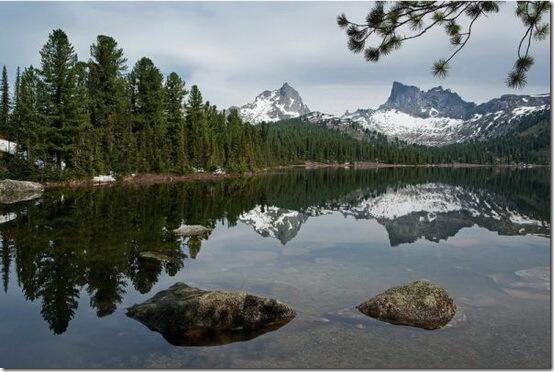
pixel 73 118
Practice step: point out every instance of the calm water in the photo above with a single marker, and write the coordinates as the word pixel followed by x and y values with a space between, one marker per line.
pixel 321 241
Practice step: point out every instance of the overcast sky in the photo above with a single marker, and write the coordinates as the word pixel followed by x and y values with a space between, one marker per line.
pixel 234 51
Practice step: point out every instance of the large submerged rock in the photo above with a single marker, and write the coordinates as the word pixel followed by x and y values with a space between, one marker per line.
pixel 418 304
pixel 12 191
pixel 156 256
pixel 190 316
pixel 529 284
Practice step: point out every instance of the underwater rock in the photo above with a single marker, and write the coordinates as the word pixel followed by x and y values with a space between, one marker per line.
pixel 419 304
pixel 12 191
pixel 530 284
pixel 190 316
pixel 191 230
pixel 154 256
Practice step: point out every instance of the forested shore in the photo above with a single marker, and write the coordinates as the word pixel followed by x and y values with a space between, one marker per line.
pixel 73 119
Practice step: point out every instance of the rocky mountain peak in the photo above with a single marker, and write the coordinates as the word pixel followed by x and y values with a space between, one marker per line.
pixel 436 101
pixel 275 105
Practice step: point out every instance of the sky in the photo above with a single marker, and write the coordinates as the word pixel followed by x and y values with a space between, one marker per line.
pixel 235 50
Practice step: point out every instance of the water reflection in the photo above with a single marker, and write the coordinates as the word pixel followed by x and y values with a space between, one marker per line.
pixel 433 211
pixel 104 240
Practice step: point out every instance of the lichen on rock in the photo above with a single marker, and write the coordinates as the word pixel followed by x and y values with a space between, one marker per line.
pixel 419 304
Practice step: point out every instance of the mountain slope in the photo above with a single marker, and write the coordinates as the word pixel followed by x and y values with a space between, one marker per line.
pixel 270 106
pixel 438 116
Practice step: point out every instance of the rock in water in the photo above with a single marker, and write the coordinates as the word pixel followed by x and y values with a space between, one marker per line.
pixel 157 256
pixel 418 304
pixel 190 316
pixel 12 191
pixel 191 230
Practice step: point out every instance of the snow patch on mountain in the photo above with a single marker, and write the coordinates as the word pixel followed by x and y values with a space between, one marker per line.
pixel 438 116
pixel 431 130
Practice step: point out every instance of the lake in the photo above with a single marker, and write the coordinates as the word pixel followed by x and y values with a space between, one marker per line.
pixel 321 241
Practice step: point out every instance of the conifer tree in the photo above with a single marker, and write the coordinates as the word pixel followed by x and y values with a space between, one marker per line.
pixel 147 96
pixel 393 23
pixel 14 120
pixel 27 112
pixel 60 111
pixel 4 103
pixel 107 94
pixel 175 92
pixel 196 128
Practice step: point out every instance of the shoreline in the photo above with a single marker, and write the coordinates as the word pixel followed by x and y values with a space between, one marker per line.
pixel 162 178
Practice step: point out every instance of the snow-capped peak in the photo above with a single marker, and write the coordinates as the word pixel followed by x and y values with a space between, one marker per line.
pixel 438 116
pixel 279 104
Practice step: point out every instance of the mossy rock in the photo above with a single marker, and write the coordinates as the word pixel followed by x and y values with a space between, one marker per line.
pixel 419 304
pixel 190 316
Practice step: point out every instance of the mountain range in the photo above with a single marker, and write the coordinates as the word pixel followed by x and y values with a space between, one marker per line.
pixel 434 117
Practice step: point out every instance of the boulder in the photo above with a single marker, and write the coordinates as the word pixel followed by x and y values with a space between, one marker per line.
pixel 419 304
pixel 190 316
pixel 191 230
pixel 12 191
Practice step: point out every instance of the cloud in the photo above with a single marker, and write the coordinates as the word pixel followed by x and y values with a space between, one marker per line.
pixel 235 50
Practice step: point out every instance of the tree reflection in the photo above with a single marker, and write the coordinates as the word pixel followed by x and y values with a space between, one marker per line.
pixel 92 239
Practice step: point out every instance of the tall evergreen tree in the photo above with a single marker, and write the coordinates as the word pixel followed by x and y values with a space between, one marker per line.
pixel 4 103
pixel 196 128
pixel 27 113
pixel 107 92
pixel 175 92
pixel 147 96
pixel 61 108
pixel 14 120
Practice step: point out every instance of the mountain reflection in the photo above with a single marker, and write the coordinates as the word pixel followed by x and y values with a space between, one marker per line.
pixel 96 239
pixel 434 211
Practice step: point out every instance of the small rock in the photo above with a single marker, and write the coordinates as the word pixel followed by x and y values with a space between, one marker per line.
pixel 419 304
pixel 12 191
pixel 191 230
pixel 190 316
